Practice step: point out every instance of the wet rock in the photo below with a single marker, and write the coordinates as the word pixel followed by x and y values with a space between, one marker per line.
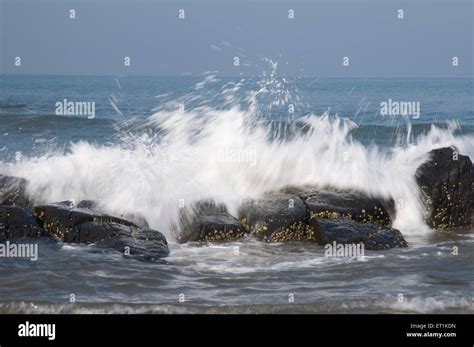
pixel 353 205
pixel 13 191
pixel 89 204
pixel 17 222
pixel 65 222
pixel 135 218
pixel 276 218
pixel 347 231
pixel 59 218
pixel 209 222
pixel 332 203
pixel 446 183
pixel 71 224
pixel 130 240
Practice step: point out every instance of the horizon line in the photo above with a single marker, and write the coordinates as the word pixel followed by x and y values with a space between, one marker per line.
pixel 230 76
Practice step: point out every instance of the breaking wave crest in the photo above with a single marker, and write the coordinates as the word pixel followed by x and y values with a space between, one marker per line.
pixel 185 153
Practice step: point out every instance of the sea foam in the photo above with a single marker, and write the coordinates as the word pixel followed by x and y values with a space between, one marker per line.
pixel 174 158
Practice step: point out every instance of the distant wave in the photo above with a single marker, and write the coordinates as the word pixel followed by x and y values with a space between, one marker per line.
pixel 37 119
pixel 12 105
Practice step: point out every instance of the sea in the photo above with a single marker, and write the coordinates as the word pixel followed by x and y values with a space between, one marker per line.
pixel 148 145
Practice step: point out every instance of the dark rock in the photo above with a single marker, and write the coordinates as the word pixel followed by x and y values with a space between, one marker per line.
pixel 89 204
pixel 144 243
pixel 65 222
pixel 59 218
pixel 210 222
pixel 71 224
pixel 446 183
pixel 353 205
pixel 17 222
pixel 13 191
pixel 347 231
pixel 134 218
pixel 331 203
pixel 276 218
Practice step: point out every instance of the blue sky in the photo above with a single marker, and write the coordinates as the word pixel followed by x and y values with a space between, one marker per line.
pixel 314 43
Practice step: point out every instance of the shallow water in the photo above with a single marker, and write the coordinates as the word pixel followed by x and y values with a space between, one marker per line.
pixel 244 277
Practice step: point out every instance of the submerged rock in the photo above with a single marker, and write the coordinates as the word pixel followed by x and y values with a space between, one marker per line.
pixel 209 222
pixel 446 181
pixel 17 222
pixel 347 231
pixel 276 218
pixel 13 191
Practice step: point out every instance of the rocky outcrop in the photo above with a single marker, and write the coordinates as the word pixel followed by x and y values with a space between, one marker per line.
pixel 332 203
pixel 446 184
pixel 13 191
pixel 133 218
pixel 130 240
pixel 276 218
pixel 322 216
pixel 292 214
pixel 17 222
pixel 347 231
pixel 351 205
pixel 65 222
pixel 60 218
pixel 209 222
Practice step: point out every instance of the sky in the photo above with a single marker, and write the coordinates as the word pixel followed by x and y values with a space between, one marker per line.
pixel 213 33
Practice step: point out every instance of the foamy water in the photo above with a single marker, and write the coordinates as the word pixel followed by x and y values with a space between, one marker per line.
pixel 230 140
pixel 179 156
